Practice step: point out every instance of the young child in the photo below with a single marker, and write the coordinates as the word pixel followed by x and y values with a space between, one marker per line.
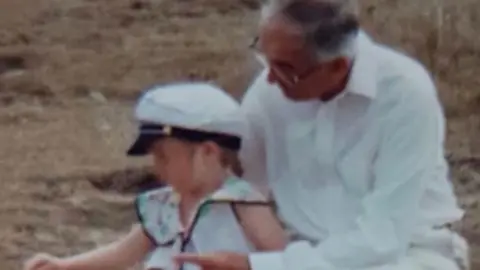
pixel 193 132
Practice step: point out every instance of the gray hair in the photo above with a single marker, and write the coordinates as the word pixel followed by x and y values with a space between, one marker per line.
pixel 331 26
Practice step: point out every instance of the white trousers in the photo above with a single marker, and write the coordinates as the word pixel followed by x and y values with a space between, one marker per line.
pixel 440 249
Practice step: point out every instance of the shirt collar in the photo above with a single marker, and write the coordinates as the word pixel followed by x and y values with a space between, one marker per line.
pixel 362 79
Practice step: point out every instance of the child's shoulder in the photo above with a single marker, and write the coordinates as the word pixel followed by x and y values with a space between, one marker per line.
pixel 238 189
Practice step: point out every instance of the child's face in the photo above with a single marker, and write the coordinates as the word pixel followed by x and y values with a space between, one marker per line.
pixel 184 166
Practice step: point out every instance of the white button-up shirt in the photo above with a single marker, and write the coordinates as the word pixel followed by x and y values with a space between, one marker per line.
pixel 359 177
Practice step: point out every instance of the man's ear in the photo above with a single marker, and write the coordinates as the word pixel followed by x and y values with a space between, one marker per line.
pixel 339 65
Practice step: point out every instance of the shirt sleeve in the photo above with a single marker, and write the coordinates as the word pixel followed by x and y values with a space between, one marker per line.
pixel 252 153
pixel 410 146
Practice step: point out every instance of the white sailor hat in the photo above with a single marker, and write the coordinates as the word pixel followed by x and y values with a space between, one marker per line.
pixel 190 111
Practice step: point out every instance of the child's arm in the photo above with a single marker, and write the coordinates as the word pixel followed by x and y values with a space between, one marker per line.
pixel 124 253
pixel 262 227
pixel 121 254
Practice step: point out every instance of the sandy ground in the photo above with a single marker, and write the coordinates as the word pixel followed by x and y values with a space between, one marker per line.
pixel 71 69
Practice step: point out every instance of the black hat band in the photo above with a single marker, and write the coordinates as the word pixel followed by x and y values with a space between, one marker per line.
pixel 227 141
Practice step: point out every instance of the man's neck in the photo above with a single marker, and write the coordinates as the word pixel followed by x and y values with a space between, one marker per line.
pixel 332 94
pixel 340 88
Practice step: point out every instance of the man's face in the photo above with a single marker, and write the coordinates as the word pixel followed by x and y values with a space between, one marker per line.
pixel 293 65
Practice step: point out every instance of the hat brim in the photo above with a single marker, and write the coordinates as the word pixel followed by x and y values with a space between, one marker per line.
pixel 142 144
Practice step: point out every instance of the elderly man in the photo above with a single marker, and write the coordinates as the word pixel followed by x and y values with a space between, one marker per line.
pixel 349 135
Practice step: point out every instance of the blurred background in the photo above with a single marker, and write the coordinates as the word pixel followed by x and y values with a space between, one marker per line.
pixel 70 71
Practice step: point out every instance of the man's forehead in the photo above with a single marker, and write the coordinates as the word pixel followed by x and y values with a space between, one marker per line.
pixel 279 31
pixel 280 23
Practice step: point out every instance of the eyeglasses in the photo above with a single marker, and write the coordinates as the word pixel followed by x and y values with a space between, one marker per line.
pixel 258 55
pixel 284 75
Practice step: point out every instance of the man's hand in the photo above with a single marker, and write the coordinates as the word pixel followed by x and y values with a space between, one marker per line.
pixel 215 261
